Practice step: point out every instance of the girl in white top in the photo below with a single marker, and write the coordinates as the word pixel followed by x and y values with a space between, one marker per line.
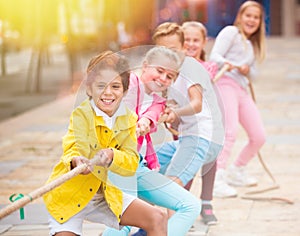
pixel 239 46
pixel 197 110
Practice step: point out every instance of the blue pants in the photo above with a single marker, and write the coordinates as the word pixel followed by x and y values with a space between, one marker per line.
pixel 159 190
pixel 183 158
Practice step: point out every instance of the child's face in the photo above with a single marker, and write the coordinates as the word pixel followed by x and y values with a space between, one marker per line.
pixel 107 91
pixel 158 76
pixel 250 20
pixel 170 41
pixel 194 42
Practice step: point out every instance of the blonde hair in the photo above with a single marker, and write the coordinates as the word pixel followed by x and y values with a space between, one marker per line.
pixel 161 51
pixel 258 38
pixel 201 28
pixel 166 29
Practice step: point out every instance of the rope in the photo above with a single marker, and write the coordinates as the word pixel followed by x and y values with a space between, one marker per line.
pixel 21 200
pixel 266 169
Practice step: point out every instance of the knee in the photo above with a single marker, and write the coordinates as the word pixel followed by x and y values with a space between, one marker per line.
pixel 193 207
pixel 230 135
pixel 159 218
pixel 189 206
pixel 258 141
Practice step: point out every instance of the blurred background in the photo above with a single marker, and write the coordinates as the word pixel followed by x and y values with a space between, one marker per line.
pixel 42 41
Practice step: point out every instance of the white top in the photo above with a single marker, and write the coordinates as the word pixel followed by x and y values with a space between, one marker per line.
pixel 207 123
pixel 230 46
pixel 109 120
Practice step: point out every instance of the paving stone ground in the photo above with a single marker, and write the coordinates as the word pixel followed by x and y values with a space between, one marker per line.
pixel 30 144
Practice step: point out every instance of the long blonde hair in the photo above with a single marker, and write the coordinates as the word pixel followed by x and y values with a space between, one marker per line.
pixel 201 28
pixel 258 38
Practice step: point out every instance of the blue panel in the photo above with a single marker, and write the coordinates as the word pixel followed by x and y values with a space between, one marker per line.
pixel 223 12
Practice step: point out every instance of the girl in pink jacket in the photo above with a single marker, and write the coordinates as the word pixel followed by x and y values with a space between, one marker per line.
pixel 159 69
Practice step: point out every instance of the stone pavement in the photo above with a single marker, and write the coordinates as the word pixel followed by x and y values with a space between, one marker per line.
pixel 30 144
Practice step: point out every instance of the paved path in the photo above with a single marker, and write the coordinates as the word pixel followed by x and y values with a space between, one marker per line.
pixel 30 144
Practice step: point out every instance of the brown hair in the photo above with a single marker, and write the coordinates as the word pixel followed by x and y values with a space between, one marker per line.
pixel 202 30
pixel 166 29
pixel 108 60
pixel 258 38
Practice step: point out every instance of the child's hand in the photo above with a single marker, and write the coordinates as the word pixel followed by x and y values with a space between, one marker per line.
pixel 104 157
pixel 172 116
pixel 230 66
pixel 143 126
pixel 244 69
pixel 172 103
pixel 76 161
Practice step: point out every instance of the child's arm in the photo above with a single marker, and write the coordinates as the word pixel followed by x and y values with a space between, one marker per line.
pixel 77 143
pixel 195 105
pixel 152 114
pixel 222 44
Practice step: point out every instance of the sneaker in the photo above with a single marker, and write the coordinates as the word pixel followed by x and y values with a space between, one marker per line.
pixel 207 215
pixel 237 176
pixel 140 232
pixel 221 188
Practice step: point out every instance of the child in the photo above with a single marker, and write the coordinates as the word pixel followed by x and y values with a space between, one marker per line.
pixel 100 126
pixel 239 46
pixel 200 127
pixel 159 70
pixel 194 41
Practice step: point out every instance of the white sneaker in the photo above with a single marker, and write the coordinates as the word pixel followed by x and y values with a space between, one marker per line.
pixel 221 188
pixel 237 176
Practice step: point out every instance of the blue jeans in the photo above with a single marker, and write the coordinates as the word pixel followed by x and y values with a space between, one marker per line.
pixel 184 157
pixel 159 190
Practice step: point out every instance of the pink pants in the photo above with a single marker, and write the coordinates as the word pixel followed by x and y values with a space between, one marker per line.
pixel 239 107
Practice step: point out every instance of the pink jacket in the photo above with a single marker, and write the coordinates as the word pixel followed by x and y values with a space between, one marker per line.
pixel 134 101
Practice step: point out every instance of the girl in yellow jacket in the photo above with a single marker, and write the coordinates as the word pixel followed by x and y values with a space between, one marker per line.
pixel 101 126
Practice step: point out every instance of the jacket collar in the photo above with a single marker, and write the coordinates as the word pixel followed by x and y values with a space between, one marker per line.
pixel 125 119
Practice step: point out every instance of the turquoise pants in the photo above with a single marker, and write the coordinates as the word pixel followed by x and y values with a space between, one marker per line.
pixel 159 190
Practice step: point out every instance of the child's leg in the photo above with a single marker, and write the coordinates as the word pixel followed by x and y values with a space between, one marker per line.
pixel 189 157
pixel 129 186
pixel 209 171
pixel 229 93
pixel 252 123
pixel 114 232
pixel 231 119
pixel 143 215
pixel 208 179
pixel 160 190
pixel 65 234
pixel 165 153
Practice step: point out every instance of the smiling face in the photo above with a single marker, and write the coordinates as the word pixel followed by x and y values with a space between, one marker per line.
pixel 107 91
pixel 158 77
pixel 250 20
pixel 160 68
pixel 194 42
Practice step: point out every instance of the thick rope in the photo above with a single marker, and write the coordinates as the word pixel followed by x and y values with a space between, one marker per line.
pixel 27 198
pixel 275 184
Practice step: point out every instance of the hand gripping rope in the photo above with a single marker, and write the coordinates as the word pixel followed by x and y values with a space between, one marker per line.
pixel 21 200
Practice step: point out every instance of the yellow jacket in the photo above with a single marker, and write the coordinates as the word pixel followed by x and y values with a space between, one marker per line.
pixel 87 134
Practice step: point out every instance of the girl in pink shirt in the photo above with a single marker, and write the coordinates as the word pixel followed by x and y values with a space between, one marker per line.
pixel 239 45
